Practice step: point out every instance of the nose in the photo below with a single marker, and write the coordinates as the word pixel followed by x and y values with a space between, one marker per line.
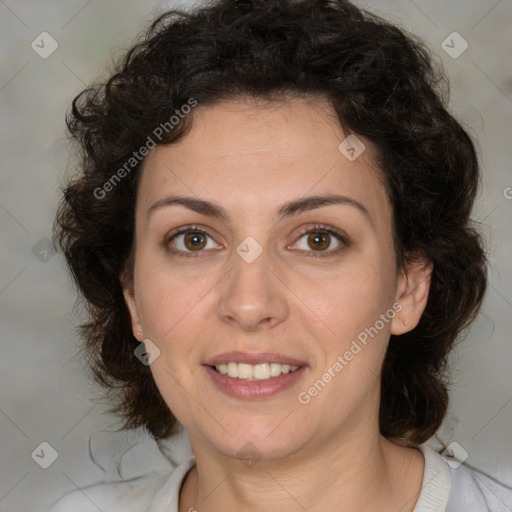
pixel 252 295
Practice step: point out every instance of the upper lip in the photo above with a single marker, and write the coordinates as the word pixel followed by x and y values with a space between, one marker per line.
pixel 244 357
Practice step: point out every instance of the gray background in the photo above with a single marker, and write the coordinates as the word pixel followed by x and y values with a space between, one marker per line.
pixel 45 393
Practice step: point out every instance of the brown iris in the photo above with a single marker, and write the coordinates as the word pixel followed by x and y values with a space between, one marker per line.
pixel 318 240
pixel 194 240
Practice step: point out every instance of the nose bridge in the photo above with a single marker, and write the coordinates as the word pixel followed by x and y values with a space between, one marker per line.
pixel 251 294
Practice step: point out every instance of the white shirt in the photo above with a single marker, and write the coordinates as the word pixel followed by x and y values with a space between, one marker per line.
pixel 444 489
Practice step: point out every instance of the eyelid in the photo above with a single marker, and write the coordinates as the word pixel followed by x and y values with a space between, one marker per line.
pixel 322 227
pixel 183 229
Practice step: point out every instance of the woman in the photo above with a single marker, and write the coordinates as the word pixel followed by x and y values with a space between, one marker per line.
pixel 271 230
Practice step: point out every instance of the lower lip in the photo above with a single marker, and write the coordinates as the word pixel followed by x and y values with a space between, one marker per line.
pixel 254 389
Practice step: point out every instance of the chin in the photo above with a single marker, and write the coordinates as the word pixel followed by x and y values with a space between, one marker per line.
pixel 254 439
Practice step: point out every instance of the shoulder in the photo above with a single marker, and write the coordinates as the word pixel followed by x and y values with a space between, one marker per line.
pixel 453 486
pixel 105 496
pixel 472 490
pixel 134 495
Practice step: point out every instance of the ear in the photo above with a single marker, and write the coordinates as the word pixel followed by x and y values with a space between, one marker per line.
pixel 128 292
pixel 412 294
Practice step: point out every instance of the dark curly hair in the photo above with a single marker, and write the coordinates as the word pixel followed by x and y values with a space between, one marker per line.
pixel 382 83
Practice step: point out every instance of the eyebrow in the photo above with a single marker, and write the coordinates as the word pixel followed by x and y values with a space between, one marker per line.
pixel 289 209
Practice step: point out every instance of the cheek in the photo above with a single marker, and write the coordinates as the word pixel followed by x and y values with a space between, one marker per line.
pixel 166 301
pixel 171 311
pixel 355 345
pixel 354 300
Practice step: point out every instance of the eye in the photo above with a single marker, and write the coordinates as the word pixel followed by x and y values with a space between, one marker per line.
pixel 320 239
pixel 189 240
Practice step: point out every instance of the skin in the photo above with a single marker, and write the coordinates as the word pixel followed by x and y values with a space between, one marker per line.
pixel 250 158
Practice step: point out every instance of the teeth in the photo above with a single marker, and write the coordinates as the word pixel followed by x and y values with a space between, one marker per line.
pixel 232 369
pixel 275 369
pixel 245 371
pixel 262 371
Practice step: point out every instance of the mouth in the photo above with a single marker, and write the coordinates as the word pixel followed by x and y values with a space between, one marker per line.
pixel 254 376
pixel 253 372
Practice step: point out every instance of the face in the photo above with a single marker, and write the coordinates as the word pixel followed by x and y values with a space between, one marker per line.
pixel 264 252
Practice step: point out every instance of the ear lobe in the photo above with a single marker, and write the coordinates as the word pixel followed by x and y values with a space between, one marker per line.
pixel 412 293
pixel 129 299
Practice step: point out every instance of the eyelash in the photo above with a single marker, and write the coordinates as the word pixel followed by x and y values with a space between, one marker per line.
pixel 312 254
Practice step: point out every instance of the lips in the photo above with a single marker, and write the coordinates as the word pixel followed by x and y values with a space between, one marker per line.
pixel 253 359
pixel 254 389
pixel 257 380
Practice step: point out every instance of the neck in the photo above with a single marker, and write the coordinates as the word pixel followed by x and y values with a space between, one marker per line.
pixel 358 471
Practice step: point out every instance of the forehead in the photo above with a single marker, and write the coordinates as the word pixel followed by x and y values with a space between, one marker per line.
pixel 251 156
